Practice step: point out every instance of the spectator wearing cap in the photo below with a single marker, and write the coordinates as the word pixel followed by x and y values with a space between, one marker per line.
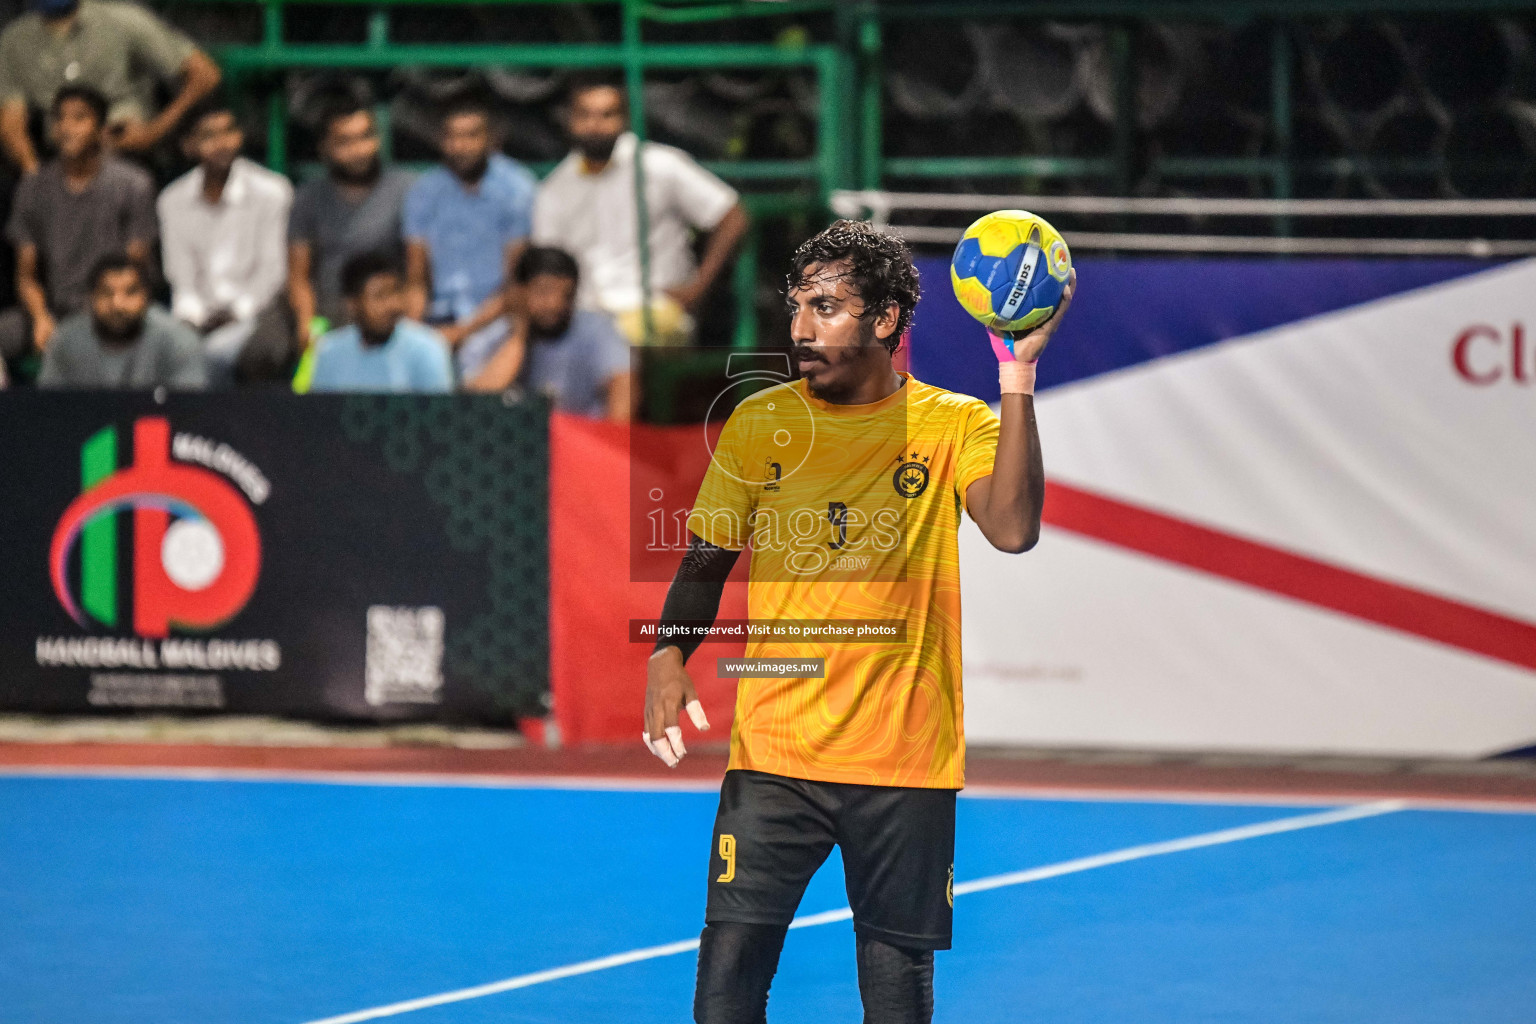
pixel 574 356
pixel 353 209
pixel 78 208
pixel 465 223
pixel 223 226
pixel 587 205
pixel 122 342
pixel 380 350
pixel 118 49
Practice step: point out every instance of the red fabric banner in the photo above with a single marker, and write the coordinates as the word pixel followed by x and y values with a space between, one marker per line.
pixel 597 551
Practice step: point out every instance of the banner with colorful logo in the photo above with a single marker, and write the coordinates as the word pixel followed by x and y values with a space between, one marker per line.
pixel 1289 509
pixel 362 557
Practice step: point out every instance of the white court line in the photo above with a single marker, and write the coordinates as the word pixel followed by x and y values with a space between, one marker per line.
pixel 1226 835
pixel 347 777
pixel 1066 867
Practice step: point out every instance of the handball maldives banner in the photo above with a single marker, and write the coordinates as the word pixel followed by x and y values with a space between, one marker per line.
pixel 359 557
pixel 1291 507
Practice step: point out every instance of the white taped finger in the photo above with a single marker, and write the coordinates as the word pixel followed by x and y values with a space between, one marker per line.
pixel 663 750
pixel 675 735
pixel 696 712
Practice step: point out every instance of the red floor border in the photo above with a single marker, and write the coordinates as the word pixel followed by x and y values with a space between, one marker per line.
pixel 1434 783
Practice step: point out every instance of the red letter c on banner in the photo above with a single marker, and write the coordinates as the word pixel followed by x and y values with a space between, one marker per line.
pixel 1459 354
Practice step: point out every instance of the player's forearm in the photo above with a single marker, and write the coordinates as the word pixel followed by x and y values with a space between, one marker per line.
pixel 693 599
pixel 1015 496
pixel 689 608
pixel 1008 504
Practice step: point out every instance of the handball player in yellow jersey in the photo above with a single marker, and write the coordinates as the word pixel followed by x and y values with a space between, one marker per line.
pixel 848 485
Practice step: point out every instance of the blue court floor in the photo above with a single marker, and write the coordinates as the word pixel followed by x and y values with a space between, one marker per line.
pixel 174 901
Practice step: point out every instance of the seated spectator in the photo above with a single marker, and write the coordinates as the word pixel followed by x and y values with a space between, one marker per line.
pixel 123 343
pixel 380 350
pixel 77 209
pixel 223 226
pixel 118 49
pixel 574 356
pixel 587 205
pixel 465 223
pixel 354 209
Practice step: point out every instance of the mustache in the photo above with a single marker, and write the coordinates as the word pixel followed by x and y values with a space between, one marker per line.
pixel 119 330
pixel 807 354
pixel 362 176
pixel 596 147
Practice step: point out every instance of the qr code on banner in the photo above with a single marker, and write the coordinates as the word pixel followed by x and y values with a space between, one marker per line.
pixel 405 656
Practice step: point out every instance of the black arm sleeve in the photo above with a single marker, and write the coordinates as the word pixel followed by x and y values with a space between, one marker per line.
pixel 693 600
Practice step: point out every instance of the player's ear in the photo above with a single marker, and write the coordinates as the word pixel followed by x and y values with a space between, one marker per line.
pixel 885 323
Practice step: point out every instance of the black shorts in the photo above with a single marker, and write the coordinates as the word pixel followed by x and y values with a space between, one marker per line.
pixel 772 833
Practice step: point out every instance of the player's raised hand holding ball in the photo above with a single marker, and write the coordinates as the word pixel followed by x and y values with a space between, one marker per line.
pixel 1013 272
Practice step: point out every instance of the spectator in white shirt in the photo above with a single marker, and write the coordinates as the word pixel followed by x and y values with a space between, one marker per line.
pixel 223 229
pixel 587 206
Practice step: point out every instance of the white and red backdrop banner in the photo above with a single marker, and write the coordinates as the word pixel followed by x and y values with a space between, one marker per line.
pixel 1292 508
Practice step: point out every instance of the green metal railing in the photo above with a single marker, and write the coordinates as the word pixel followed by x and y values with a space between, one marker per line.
pixel 275 53
pixel 828 170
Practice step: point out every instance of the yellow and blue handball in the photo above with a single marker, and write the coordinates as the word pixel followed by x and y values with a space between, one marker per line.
pixel 1009 270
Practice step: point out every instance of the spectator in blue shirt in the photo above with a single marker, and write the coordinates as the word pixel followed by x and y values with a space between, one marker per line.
pixel 575 357
pixel 380 350
pixel 465 223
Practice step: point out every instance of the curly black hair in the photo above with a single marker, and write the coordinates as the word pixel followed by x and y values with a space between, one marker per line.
pixel 879 267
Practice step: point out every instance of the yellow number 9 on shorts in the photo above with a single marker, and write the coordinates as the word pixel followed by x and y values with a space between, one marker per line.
pixel 727 854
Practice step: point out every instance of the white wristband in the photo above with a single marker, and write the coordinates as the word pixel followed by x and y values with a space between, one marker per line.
pixel 1016 378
